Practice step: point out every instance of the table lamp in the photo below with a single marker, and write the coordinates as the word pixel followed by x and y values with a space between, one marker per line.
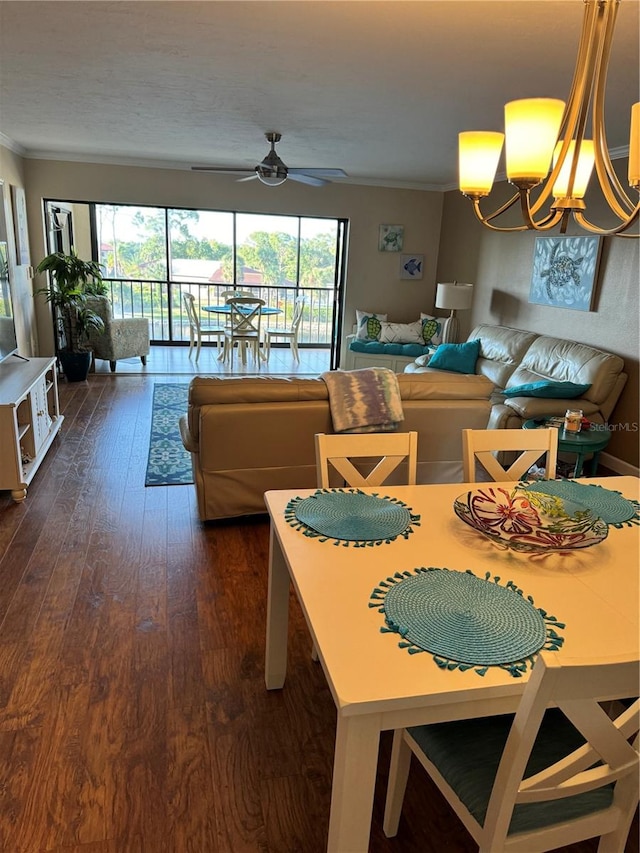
pixel 453 296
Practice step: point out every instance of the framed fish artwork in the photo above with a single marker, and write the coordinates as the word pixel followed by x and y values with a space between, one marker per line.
pixel 411 266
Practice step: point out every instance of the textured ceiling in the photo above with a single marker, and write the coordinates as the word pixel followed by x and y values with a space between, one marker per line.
pixel 380 89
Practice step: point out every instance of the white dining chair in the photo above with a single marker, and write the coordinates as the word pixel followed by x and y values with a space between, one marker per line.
pixel 381 453
pixel 481 445
pixel 197 329
pixel 244 328
pixel 561 771
pixel 290 334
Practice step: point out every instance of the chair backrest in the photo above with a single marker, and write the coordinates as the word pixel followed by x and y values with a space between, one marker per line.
pixel 234 294
pixel 101 306
pixel 190 308
pixel 482 444
pixel 245 315
pixel 389 448
pixel 607 756
pixel 298 312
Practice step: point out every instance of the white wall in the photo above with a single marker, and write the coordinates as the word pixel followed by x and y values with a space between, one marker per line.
pixel 11 172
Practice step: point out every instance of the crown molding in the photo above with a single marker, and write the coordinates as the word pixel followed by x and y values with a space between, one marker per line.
pixel 110 160
pixel 9 143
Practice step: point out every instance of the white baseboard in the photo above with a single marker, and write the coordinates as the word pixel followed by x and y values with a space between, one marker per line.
pixel 618 465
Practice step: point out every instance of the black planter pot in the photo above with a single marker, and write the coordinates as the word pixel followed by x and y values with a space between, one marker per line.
pixel 75 365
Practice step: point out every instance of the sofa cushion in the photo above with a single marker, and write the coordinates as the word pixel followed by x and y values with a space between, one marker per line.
pixel 441 385
pixel 547 388
pixel 378 348
pixel 459 358
pixel 368 325
pixel 401 333
pixel 566 361
pixel 501 351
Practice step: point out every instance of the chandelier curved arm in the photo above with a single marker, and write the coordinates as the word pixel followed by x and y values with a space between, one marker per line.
pixel 552 218
pixel 617 231
pixel 613 191
pixel 486 220
pixel 576 110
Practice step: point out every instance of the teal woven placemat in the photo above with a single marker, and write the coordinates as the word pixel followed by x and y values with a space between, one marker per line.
pixel 351 516
pixel 464 621
pixel 608 504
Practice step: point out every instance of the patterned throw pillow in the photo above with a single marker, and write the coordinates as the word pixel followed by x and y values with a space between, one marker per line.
pixel 427 321
pixel 431 330
pixel 401 333
pixel 368 325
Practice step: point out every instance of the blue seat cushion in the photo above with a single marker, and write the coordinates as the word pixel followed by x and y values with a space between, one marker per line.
pixel 467 753
pixel 376 348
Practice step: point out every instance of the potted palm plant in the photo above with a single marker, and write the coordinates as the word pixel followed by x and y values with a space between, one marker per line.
pixel 71 280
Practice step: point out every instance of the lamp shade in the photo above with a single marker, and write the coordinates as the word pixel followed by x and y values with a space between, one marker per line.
pixel 453 296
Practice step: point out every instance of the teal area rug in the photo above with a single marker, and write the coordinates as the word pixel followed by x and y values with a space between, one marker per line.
pixel 169 463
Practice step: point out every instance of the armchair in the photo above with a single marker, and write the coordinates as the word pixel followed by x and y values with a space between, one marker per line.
pixel 122 338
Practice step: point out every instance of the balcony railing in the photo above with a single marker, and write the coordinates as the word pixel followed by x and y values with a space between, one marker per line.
pixel 161 303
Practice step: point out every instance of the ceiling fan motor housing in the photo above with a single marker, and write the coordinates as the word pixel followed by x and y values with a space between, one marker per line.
pixel 272 168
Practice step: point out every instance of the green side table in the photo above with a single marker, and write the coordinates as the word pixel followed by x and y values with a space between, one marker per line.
pixel 591 440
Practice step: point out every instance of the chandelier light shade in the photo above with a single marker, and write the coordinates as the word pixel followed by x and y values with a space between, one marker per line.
pixel 453 296
pixel 479 153
pixel 547 145
pixel 531 131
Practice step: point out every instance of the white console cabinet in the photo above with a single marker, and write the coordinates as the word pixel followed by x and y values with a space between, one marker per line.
pixel 29 420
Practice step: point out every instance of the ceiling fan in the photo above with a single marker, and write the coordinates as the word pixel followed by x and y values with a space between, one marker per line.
pixel 273 172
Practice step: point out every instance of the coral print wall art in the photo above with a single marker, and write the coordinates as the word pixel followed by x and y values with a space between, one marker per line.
pixel 564 272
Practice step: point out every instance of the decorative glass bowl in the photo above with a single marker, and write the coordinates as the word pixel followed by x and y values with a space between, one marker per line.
pixel 526 520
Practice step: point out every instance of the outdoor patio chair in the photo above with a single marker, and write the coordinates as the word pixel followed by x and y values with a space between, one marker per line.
pixel 198 330
pixel 290 334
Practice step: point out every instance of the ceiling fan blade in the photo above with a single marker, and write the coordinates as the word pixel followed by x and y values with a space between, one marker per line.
pixel 248 178
pixel 320 173
pixel 229 170
pixel 301 178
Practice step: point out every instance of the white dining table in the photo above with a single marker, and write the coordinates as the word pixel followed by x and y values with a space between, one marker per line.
pixel 376 685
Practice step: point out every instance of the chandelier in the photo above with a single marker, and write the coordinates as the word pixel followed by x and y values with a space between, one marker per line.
pixel 546 144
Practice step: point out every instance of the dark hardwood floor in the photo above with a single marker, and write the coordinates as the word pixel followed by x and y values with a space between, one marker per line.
pixel 133 712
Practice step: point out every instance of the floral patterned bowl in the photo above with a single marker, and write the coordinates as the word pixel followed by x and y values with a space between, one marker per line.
pixel 526 520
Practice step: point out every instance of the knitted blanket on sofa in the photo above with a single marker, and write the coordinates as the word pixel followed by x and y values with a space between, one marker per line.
pixel 366 400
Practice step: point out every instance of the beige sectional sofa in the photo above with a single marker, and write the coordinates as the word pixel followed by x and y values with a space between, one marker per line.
pixel 251 434
pixel 513 357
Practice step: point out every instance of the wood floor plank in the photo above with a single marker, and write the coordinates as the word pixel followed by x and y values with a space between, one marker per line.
pixel 133 712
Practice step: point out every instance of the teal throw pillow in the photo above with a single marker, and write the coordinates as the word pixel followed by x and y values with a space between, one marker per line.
pixel 459 358
pixel 548 388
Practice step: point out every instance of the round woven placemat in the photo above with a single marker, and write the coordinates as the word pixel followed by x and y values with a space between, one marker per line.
pixel 353 516
pixel 609 505
pixel 464 618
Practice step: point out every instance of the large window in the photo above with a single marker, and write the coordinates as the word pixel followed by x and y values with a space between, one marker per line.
pixel 152 255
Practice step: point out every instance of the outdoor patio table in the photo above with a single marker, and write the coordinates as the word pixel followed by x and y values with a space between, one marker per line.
pixel 226 309
pixel 376 684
